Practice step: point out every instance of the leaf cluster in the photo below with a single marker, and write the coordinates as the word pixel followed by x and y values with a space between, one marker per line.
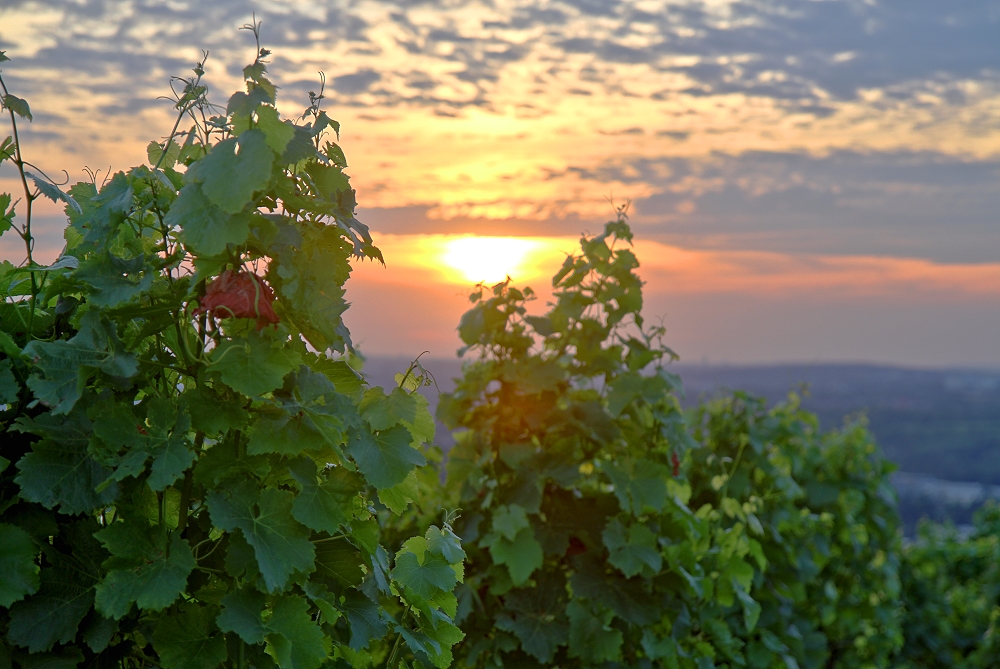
pixel 189 484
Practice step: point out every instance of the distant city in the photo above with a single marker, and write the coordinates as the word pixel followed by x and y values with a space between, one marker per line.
pixel 941 427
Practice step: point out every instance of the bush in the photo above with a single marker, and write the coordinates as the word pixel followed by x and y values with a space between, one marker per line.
pixel 189 463
pixel 951 594
pixel 582 547
pixel 824 514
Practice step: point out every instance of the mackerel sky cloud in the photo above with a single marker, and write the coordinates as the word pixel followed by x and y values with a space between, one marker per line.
pixel 847 134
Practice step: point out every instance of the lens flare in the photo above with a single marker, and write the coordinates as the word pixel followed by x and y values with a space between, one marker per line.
pixel 487 259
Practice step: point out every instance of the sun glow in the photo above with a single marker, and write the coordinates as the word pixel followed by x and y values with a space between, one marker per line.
pixel 488 259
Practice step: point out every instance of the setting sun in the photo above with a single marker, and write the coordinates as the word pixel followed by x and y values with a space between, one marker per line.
pixel 487 259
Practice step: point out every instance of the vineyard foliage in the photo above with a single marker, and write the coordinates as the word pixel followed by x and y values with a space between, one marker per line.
pixel 193 474
pixel 191 470
pixel 603 525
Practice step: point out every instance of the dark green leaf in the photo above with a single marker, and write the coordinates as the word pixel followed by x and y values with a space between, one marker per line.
pixel 280 543
pixel 9 387
pixel 252 365
pixel 18 568
pixel 425 579
pixel 144 568
pixel 365 618
pixel 66 365
pixel 241 613
pixel 322 505
pixel 522 556
pixel 386 458
pixel 114 280
pixel 294 638
pixel 186 638
pixel 53 614
pixel 62 473
pixel 590 636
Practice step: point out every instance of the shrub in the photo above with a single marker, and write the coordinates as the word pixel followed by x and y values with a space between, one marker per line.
pixel 951 594
pixel 582 547
pixel 823 512
pixel 189 462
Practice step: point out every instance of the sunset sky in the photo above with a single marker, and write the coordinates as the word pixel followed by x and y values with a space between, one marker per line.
pixel 811 180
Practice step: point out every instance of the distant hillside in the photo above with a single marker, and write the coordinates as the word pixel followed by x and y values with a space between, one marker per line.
pixel 942 427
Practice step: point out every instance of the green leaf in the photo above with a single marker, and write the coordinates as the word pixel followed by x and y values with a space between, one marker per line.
pixel 445 543
pixel 278 133
pixel 252 365
pixel 280 543
pixel 61 473
pixel 66 365
pixel 211 412
pixel 312 286
pixel 751 609
pixel 17 105
pixel 53 614
pixel 400 496
pixel 241 613
pixel 322 505
pixel 365 619
pixel 384 411
pixel 306 414
pixel 233 170
pixel 114 280
pixel 509 520
pixel 591 637
pixel 186 638
pixel 143 568
pixel 632 550
pixel 53 192
pixel 6 211
pixel 385 458
pixel 522 555
pixel 425 579
pixel 18 568
pixel 295 640
pixel 205 228
pixel 9 387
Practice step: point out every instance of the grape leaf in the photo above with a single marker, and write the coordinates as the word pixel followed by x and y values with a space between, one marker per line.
pixel 62 473
pixel 509 520
pixel 53 614
pixel 67 364
pixel 590 636
pixel 18 571
pixel 277 132
pixel 632 550
pixel 113 280
pixel 143 568
pixel 241 613
pixel 252 365
pixel 295 640
pixel 384 411
pixel 17 105
pixel 186 639
pixel 9 387
pixel 205 228
pixel 280 543
pixel 522 555
pixel 365 619
pixel 425 579
pixel 307 414
pixel 385 458
pixel 326 505
pixel 229 178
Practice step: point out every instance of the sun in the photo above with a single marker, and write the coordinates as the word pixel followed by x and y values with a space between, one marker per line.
pixel 488 259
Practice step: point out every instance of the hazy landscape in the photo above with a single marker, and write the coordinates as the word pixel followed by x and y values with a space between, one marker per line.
pixel 941 427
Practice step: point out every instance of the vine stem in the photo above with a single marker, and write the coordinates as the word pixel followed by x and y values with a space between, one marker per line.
pixel 29 198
